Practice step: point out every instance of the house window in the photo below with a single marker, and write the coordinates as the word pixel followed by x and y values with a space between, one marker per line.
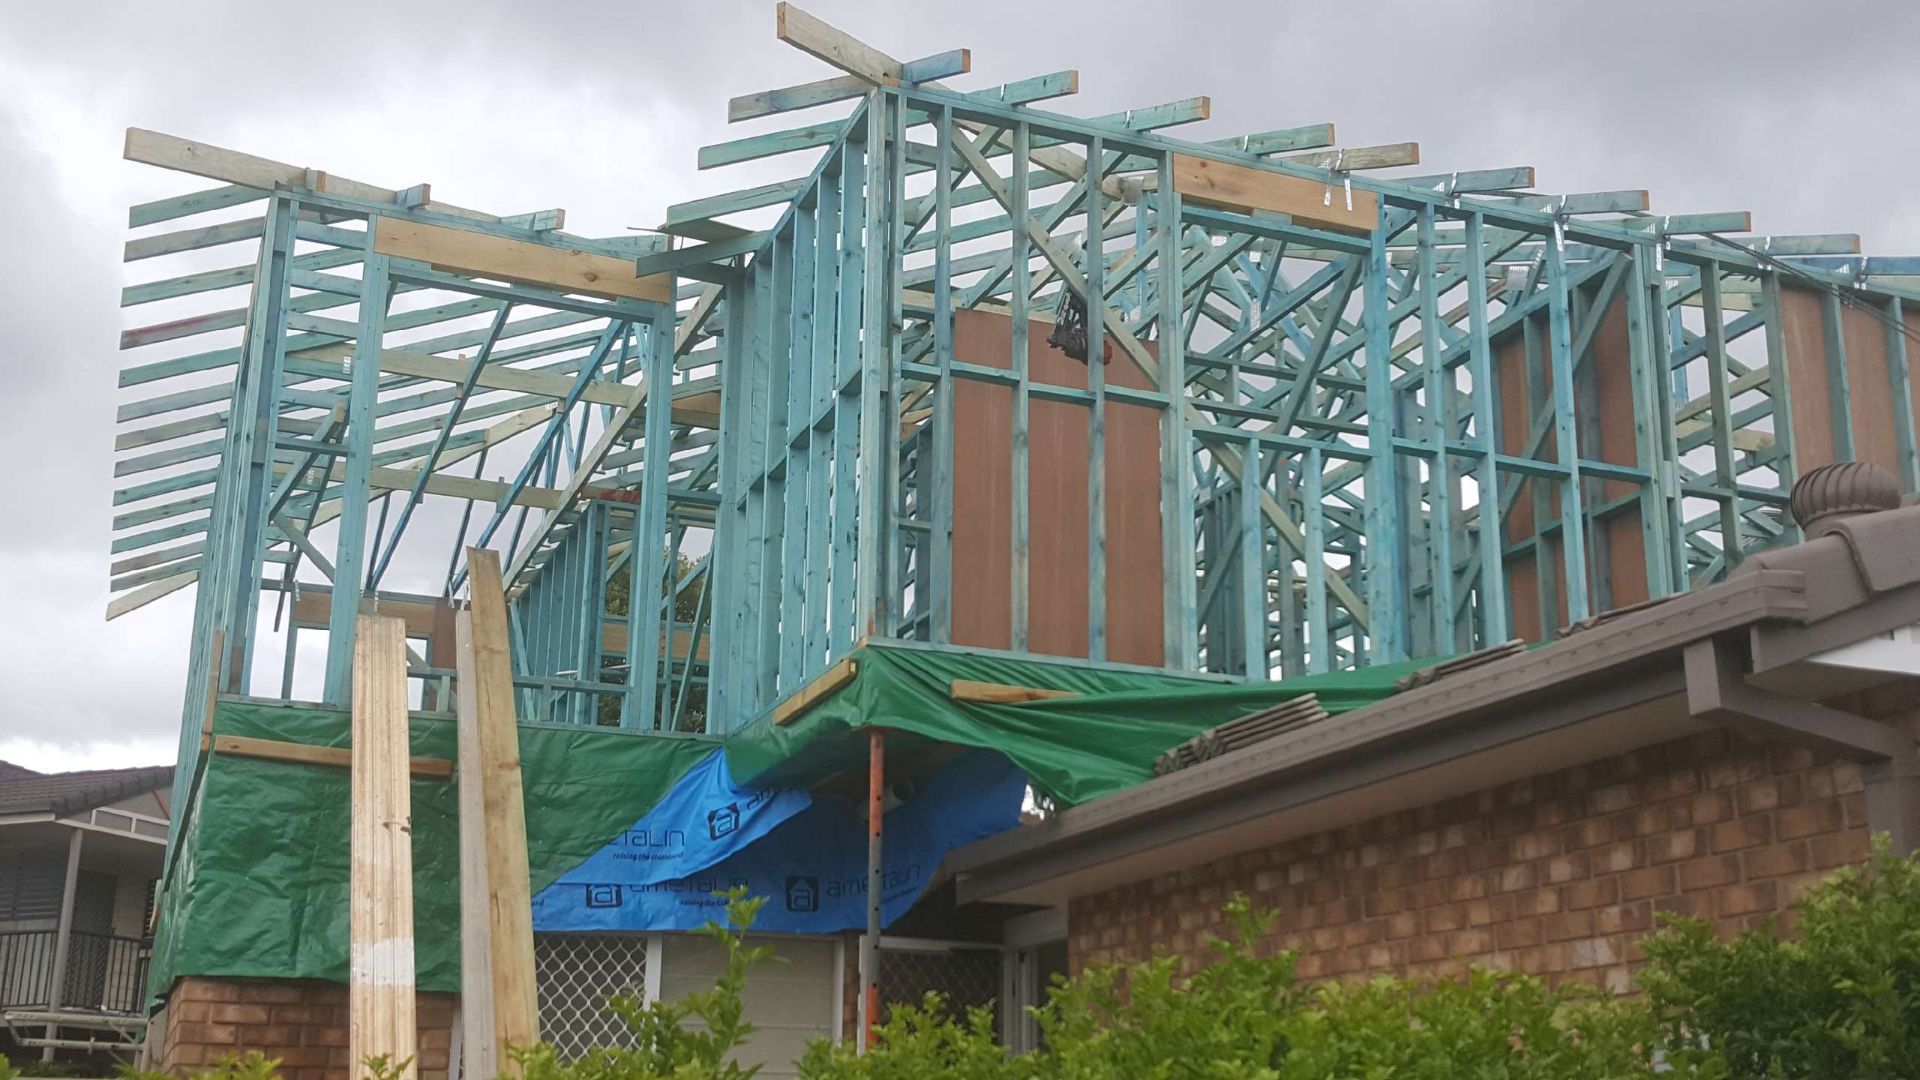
pixel 574 975
pixel 966 975
pixel 30 885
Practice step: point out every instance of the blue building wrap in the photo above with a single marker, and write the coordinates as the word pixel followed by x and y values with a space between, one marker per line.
pixel 807 855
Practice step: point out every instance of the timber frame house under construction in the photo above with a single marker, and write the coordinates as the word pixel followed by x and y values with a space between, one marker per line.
pixel 1327 412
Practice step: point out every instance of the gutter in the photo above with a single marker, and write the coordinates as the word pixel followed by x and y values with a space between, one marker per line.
pixel 1718 692
pixel 1565 683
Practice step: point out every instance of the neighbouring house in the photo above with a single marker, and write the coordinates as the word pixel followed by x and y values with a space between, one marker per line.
pixel 80 854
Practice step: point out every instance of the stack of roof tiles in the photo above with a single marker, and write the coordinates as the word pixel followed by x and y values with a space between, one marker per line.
pixel 1244 731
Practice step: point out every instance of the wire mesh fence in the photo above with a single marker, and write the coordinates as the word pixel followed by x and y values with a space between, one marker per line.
pixel 574 976
pixel 965 976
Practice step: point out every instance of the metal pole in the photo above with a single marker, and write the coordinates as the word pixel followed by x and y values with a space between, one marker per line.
pixel 870 945
pixel 62 938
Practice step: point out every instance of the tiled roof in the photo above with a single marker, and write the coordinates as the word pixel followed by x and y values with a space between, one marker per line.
pixel 23 791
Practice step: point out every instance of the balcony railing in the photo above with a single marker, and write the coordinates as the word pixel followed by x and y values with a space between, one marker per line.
pixel 104 973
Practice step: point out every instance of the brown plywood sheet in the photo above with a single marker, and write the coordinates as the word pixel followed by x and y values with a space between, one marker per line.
pixel 1802 328
pixel 1870 397
pixel 1605 384
pixel 1871 392
pixel 1058 457
pixel 1523 588
pixel 1611 371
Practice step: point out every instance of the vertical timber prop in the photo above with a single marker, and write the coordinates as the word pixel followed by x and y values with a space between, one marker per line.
pixel 870 944
pixel 478 1055
pixel 498 1006
pixel 381 979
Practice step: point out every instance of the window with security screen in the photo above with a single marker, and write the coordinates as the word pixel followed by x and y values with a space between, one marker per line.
pixel 965 976
pixel 575 975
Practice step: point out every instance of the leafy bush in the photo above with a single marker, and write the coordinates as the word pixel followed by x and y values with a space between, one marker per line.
pixel 1243 1018
pixel 252 1065
pixel 1841 1000
pixel 919 1041
pixel 1487 1024
pixel 82 1068
pixel 1227 1020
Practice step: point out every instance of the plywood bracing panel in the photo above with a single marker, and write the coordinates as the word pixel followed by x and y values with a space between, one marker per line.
pixel 1810 379
pixel 1510 375
pixel 1608 392
pixel 1871 397
pixel 1603 397
pixel 1803 329
pixel 1058 457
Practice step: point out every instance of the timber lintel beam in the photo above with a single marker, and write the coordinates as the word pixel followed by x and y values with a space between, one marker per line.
pixel 478 254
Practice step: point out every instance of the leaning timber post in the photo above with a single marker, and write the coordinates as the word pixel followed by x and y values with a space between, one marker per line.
pixel 496 905
pixel 381 1019
pixel 870 944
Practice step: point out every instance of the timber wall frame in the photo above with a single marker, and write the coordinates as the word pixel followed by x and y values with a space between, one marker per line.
pixel 1303 363
pixel 385 340
pixel 1342 479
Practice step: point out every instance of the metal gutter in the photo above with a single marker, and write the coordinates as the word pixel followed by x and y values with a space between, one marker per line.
pixel 1544 690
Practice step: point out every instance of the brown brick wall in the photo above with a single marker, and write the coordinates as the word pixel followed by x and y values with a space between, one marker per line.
pixel 1560 874
pixel 303 1023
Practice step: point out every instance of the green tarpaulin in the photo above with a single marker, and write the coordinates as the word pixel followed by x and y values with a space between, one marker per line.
pixel 1075 748
pixel 259 885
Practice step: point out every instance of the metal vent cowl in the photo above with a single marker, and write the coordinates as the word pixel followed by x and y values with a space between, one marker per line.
pixel 1842 490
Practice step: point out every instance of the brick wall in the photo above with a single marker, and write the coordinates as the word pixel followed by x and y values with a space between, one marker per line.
pixel 303 1023
pixel 1560 874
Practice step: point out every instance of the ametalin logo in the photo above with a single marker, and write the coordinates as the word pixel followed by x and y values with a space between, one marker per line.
pixel 704 885
pixel 654 839
pixel 835 888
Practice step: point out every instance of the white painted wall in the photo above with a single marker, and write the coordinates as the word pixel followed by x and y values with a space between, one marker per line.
pixel 790 1002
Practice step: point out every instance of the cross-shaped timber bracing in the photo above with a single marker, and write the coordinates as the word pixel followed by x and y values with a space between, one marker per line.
pixel 1342 417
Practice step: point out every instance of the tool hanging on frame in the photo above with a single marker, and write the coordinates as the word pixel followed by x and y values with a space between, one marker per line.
pixel 1070 329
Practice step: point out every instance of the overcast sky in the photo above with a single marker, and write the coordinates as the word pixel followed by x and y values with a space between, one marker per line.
pixel 1793 110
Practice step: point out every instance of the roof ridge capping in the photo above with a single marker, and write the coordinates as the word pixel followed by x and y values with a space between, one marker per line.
pixel 1858 505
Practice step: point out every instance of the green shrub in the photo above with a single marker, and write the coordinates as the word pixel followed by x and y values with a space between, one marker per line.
pixel 1226 1020
pixel 1486 1024
pixel 1243 1018
pixel 918 1041
pixel 1841 1000
pixel 252 1065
